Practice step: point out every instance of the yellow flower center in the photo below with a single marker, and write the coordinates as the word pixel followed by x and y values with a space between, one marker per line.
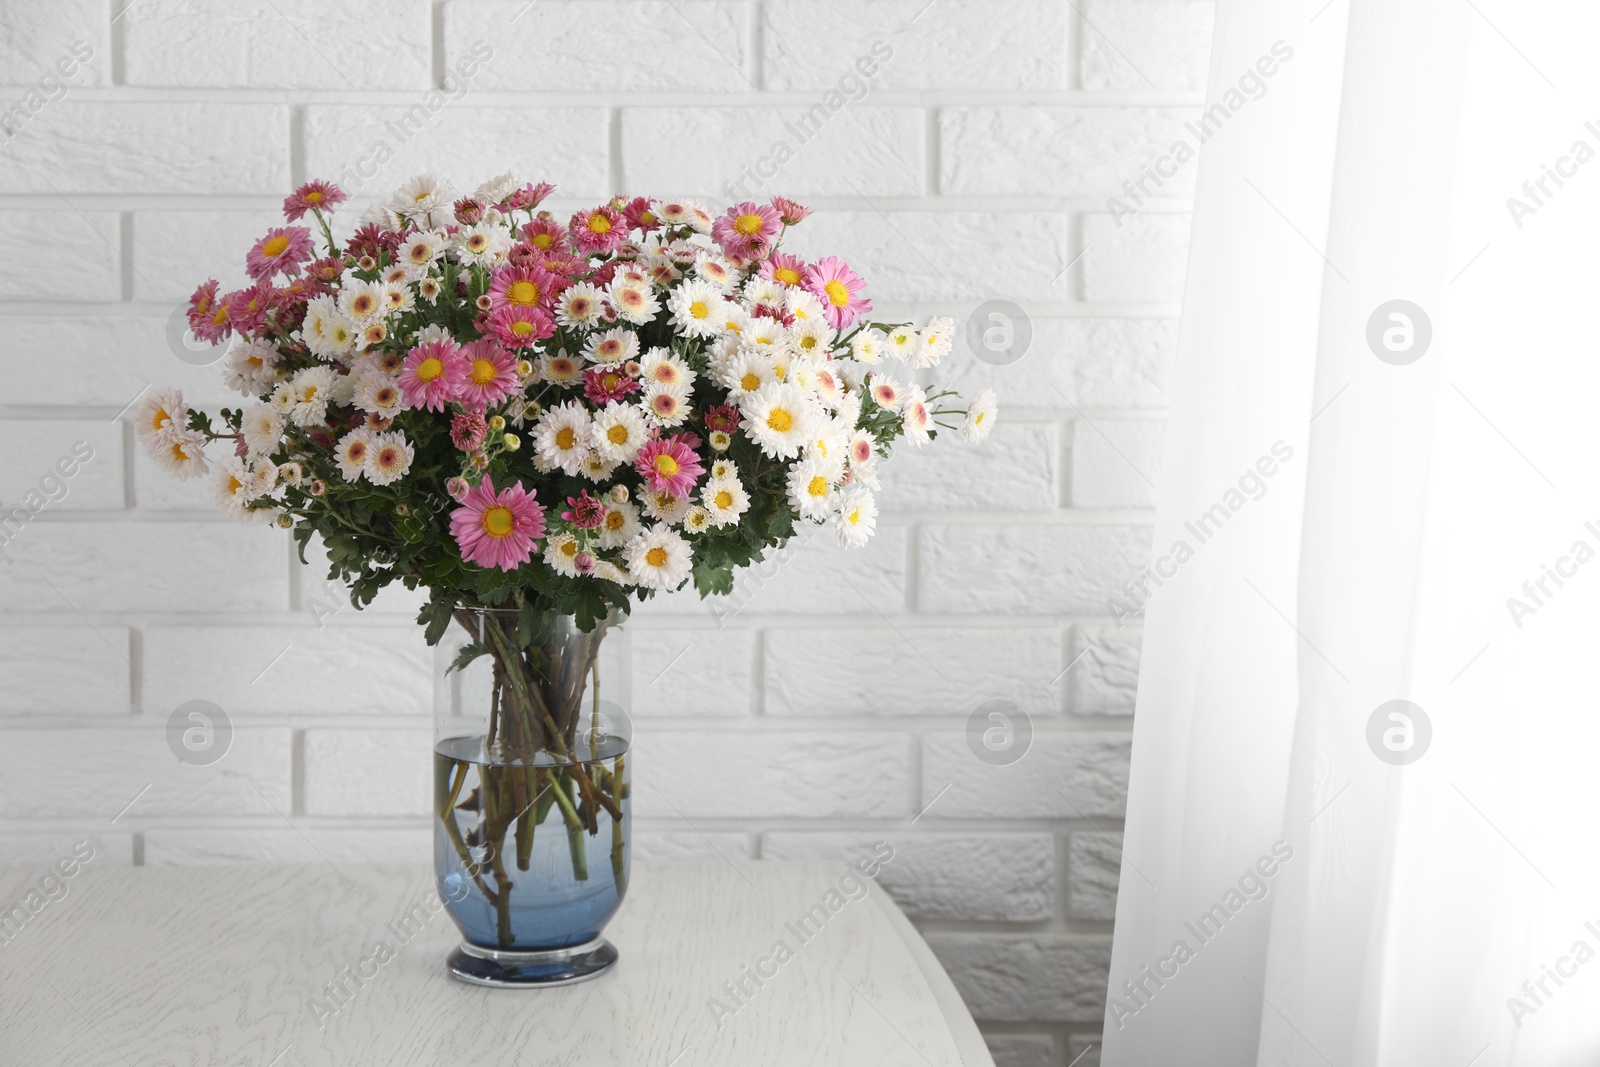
pixel 497 522
pixel 159 419
pixel 617 435
pixel 748 224
pixel 656 557
pixel 313 197
pixel 234 484
pixel 178 452
pixel 698 310
pixel 543 241
pixel 569 548
pixel 666 466
pixel 483 372
pixel 838 293
pixel 598 223
pixel 817 486
pixel 787 275
pixel 566 437
pixel 429 369
pixel 274 246
pixel 750 382
pixel 522 328
pixel 615 520
pixel 524 292
pixel 780 420
pixel 854 516
pixel 724 499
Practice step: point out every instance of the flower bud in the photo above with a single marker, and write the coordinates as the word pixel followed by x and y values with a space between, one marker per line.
pixel 510 442
pixel 497 423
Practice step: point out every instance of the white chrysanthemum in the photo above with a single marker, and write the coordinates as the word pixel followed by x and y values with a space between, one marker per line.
pixel 661 367
pixel 848 410
pixel 422 197
pixel 658 558
pixel 562 435
pixel 778 418
pixel 282 398
pixel 799 373
pixel 616 345
pixel 696 308
pixel 716 270
pixel 734 319
pixel 856 517
pixel 830 390
pixel 561 553
pixel 353 453
pixel 666 406
pixel 867 346
pixel 811 488
pixel 804 306
pixel 291 473
pixel 361 301
pixel 379 394
pixel 482 245
pixel 382 216
pixel 915 418
pixel 664 507
pixel 560 369
pixel 604 568
pixel 719 440
pixel 766 291
pixel 619 431
pixel 886 392
pixel 747 372
pixel 391 457
pixel 620 525
pixel 634 301
pixel 860 449
pixel 697 520
pixel 183 455
pixel 579 306
pixel 398 297
pixel 724 499
pixel 418 252
pixel 864 474
pixel 162 417
pixel 980 417
pixel 598 468
pixel 233 486
pixel 312 389
pixel 765 333
pixel 937 340
pixel 829 443
pixel 700 217
pixel 252 366
pixel 904 344
pixel 262 428
pixel 812 339
pixel 498 188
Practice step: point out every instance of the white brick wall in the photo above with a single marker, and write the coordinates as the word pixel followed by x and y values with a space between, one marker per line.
pixel 819 709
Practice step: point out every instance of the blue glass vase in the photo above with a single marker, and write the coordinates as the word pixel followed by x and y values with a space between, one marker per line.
pixel 531 799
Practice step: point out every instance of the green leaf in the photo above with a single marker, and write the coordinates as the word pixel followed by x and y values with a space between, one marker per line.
pixel 466 656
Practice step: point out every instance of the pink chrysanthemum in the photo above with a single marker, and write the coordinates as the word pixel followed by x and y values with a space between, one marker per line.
pixel 468 211
pixel 281 251
pixel 208 316
pixel 747 230
pixel 433 375
pixel 317 195
pixel 585 512
pixel 458 488
pixel 839 288
pixel 529 196
pixel 601 385
pixel 247 308
pixel 782 267
pixel 523 287
pixel 791 213
pixel 467 430
pixel 520 326
pixel 598 229
pixel 724 417
pixel 669 465
pixel 491 374
pixel 545 234
pixel 497 529
pixel 640 213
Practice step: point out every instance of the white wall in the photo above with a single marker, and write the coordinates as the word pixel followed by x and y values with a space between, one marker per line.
pixel 822 710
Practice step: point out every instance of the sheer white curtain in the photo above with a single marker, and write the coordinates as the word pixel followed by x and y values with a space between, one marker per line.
pixel 1333 907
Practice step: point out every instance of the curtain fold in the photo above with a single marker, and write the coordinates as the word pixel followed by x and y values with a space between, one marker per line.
pixel 1298 885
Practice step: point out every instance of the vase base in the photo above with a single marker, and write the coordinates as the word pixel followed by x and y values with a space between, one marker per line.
pixel 507 969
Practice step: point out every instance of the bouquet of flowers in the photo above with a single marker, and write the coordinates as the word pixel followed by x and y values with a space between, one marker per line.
pixel 539 421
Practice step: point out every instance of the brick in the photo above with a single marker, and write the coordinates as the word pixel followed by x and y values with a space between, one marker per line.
pixel 303 845
pixel 83 263
pixel 855 151
pixel 654 844
pixel 1115 462
pixel 696 672
pixel 1022 1050
pixel 44 850
pixel 1000 44
pixel 816 576
pixel 1144 262
pixel 371 150
pixel 175 251
pixel 1027 977
pixel 1017 468
pixel 1105 363
pixel 108 767
pixel 144 567
pixel 910 670
pixel 103 361
pixel 937 255
pixel 1056 151
pixel 368 772
pixel 1094 864
pixel 1105 680
pixel 555 50
pixel 156 147
pixel 776 775
pixel 62 670
pixel 991 876
pixel 39 451
pixel 1145 45
pixel 279 44
pixel 1057 568
pixel 33 38
pixel 300 670
pixel 1061 776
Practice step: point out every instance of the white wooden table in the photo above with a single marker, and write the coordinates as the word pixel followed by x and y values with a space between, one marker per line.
pixel 214 966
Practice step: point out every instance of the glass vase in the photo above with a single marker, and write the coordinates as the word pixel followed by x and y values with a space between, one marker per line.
pixel 531 764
